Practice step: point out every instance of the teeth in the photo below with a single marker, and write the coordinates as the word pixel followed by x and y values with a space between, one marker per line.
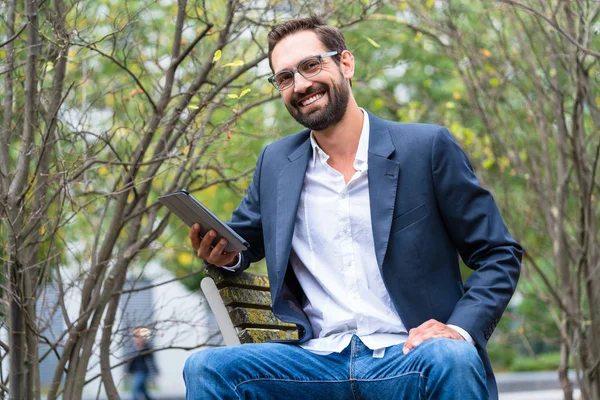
pixel 312 99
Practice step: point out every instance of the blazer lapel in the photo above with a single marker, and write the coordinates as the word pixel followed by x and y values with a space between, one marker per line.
pixel 289 187
pixel 383 184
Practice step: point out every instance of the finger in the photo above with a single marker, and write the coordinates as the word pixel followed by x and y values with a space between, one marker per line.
pixel 195 236
pixel 413 336
pixel 418 335
pixel 436 330
pixel 232 258
pixel 205 247
pixel 218 252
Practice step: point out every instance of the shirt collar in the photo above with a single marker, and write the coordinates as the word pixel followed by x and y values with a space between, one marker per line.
pixel 362 152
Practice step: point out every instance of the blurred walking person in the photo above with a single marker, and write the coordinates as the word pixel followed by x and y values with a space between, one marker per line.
pixel 142 364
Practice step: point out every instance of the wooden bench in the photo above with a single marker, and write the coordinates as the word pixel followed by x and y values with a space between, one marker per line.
pixel 241 304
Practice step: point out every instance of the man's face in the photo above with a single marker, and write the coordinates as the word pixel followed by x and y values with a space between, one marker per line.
pixel 317 102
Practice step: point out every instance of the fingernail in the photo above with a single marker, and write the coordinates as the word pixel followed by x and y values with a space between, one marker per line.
pixel 405 350
pixel 196 226
pixel 222 241
pixel 211 234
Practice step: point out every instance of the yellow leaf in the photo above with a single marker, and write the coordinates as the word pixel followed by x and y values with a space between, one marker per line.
pixel 185 258
pixel 523 155
pixel 193 107
pixel 236 63
pixel 373 43
pixel 494 82
pixel 103 171
pixel 418 37
pixel 456 96
pixel 130 197
pixel 217 56
pixel 430 3
pixel 228 207
pixel 486 52
pixel 43 230
pixel 489 163
pixel 450 105
pixel 378 103
pixel 232 96
pixel 503 162
pixel 245 92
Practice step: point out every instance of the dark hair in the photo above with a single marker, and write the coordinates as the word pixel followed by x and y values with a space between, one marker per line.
pixel 331 37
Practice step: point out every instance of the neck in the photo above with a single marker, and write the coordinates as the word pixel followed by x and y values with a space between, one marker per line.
pixel 341 140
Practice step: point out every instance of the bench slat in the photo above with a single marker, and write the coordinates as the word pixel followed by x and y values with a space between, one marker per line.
pixel 245 279
pixel 253 335
pixel 244 318
pixel 236 297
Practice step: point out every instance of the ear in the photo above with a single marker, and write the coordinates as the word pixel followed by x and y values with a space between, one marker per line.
pixel 347 64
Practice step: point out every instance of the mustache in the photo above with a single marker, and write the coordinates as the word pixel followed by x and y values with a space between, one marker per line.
pixel 315 88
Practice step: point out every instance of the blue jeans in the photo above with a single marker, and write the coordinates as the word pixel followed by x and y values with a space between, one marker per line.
pixel 436 369
pixel 140 392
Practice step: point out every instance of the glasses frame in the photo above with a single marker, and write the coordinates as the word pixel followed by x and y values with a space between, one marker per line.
pixel 319 58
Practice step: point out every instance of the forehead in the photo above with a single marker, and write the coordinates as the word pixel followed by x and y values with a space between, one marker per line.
pixel 294 48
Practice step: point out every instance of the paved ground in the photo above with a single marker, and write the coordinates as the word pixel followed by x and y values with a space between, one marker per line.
pixel 537 395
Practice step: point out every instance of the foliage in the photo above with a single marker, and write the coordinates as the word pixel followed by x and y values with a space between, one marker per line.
pixel 526 110
pixel 105 106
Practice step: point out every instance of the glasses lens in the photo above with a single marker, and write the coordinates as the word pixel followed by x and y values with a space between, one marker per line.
pixel 284 79
pixel 310 67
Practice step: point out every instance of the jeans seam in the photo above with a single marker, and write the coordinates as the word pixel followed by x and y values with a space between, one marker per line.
pixel 289 380
pixel 392 377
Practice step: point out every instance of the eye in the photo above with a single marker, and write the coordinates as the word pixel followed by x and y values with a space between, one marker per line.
pixel 310 66
pixel 284 78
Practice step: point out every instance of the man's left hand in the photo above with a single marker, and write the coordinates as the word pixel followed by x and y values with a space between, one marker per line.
pixel 429 330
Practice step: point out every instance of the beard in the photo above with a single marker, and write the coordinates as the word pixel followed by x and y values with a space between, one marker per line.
pixel 322 118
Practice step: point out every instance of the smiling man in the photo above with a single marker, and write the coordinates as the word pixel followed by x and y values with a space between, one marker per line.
pixel 361 222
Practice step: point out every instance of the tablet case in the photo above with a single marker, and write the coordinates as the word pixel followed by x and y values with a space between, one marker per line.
pixel 190 210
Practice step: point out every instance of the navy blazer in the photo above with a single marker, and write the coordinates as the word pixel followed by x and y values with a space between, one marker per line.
pixel 427 208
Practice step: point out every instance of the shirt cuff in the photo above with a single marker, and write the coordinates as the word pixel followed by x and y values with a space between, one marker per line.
pixel 463 333
pixel 235 267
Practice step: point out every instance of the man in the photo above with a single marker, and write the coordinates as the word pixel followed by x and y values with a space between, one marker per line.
pixel 142 364
pixel 361 222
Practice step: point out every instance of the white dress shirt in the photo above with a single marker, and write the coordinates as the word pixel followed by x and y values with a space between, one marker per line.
pixel 333 257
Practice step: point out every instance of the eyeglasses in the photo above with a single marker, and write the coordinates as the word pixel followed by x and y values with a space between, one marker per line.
pixel 307 68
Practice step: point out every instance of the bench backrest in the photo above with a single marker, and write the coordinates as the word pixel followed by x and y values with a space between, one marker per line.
pixel 241 304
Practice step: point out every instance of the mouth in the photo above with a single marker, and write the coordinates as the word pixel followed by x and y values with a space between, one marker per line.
pixel 308 100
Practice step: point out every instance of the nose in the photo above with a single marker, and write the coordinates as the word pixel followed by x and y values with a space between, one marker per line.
pixel 301 83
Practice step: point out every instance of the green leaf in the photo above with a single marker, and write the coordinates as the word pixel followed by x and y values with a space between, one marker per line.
pixel 217 56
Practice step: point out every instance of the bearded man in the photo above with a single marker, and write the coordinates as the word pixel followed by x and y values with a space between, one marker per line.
pixel 361 222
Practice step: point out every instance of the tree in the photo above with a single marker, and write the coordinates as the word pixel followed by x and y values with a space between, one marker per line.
pixel 530 72
pixel 105 106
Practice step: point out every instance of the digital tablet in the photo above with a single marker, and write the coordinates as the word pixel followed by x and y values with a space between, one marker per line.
pixel 190 211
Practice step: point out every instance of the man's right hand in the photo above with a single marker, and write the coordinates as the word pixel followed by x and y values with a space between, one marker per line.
pixel 212 255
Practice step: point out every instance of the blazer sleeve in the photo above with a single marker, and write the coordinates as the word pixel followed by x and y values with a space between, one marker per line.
pixel 477 230
pixel 247 220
